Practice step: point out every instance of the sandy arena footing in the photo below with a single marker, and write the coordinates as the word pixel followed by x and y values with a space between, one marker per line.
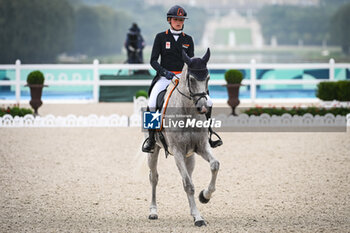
pixel 96 180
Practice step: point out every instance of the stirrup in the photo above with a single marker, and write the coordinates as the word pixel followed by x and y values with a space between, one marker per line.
pixel 216 143
pixel 150 148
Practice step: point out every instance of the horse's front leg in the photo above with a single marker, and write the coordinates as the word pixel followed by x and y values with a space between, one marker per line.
pixel 205 194
pixel 153 178
pixel 188 186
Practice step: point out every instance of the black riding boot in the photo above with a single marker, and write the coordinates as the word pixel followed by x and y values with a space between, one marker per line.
pixel 212 143
pixel 148 145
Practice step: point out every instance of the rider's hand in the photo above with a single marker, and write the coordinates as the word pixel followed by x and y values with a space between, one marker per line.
pixel 169 75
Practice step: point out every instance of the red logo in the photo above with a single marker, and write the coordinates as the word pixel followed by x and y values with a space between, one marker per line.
pixel 180 12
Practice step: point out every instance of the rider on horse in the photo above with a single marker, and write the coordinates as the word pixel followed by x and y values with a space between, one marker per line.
pixel 169 46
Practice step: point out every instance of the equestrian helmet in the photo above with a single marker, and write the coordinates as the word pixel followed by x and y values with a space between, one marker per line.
pixel 177 12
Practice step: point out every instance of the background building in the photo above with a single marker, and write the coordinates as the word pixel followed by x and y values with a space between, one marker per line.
pixel 231 31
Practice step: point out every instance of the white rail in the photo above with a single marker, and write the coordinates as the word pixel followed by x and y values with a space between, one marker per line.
pixel 96 67
pixel 241 123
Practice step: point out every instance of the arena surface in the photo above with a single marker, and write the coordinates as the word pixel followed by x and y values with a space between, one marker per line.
pixel 96 180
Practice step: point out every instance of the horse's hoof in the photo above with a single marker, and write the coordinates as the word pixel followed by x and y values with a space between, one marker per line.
pixel 202 199
pixel 153 216
pixel 200 223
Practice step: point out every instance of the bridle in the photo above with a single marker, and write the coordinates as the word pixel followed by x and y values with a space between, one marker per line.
pixel 192 95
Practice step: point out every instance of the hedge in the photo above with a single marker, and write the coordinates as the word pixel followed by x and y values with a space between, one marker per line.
pixel 297 111
pixel 329 91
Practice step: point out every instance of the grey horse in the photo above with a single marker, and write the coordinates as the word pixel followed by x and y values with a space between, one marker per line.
pixel 189 97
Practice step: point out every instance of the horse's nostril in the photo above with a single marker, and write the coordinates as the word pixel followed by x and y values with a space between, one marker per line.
pixel 201 110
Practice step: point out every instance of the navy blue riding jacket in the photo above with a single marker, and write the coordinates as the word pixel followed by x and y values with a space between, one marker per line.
pixel 170 52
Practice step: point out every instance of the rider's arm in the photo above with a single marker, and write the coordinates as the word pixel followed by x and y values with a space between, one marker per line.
pixel 190 51
pixel 156 50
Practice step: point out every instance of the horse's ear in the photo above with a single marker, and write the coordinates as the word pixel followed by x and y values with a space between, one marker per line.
pixel 206 56
pixel 186 58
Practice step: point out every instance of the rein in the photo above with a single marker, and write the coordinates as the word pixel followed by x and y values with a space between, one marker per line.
pixel 192 95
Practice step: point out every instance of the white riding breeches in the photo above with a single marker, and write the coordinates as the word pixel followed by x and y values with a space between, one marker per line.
pixel 160 85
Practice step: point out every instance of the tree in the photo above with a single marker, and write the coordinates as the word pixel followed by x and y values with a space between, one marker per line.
pixel 293 23
pixel 333 3
pixel 34 31
pixel 340 30
pixel 151 18
pixel 99 30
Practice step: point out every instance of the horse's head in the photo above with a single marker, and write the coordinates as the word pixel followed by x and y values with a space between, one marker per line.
pixel 197 77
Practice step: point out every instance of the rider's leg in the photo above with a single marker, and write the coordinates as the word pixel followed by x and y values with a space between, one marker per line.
pixel 148 145
pixel 212 143
pixel 161 84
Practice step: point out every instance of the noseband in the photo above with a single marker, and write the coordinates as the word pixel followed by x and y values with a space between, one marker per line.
pixel 193 95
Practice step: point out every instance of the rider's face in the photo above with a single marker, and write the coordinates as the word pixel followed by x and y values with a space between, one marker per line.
pixel 177 23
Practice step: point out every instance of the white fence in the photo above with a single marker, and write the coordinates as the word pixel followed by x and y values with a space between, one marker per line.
pixel 96 82
pixel 229 123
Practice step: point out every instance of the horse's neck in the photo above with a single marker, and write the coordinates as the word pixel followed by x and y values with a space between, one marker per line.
pixel 177 100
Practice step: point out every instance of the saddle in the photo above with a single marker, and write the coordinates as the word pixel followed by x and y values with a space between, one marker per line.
pixel 160 100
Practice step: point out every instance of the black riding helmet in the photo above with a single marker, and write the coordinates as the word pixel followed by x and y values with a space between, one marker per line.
pixel 176 12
